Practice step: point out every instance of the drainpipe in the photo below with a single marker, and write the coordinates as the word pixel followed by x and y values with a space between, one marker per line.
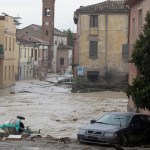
pixel 78 39
pixel 106 41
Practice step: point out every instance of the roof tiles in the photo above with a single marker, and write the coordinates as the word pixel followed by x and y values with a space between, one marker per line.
pixel 106 6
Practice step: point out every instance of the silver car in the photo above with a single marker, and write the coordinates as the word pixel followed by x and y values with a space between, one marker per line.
pixel 121 128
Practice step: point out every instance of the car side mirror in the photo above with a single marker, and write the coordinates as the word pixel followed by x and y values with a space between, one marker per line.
pixel 93 121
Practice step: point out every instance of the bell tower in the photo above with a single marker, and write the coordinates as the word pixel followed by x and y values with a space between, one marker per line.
pixel 48 24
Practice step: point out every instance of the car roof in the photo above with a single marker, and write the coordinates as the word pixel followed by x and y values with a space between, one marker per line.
pixel 128 113
pixel 124 113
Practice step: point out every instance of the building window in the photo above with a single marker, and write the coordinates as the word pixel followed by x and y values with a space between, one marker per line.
pixel 93 76
pixel 28 54
pixel 5 73
pixel 25 53
pixel 70 60
pixel 13 72
pixel 46 33
pixel 93 20
pixel 6 43
pixel 35 54
pixel 125 52
pixel 10 43
pixel 32 53
pixel 1 49
pixel 133 30
pixel 140 14
pixel 56 42
pixel 20 71
pixel 24 72
pixel 47 11
pixel 13 44
pixel 20 52
pixel 61 61
pixel 93 51
pixel 9 72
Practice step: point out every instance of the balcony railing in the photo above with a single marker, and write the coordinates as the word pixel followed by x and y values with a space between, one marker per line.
pixel 1 51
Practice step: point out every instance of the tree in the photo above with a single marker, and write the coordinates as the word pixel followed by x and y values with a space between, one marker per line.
pixel 140 88
pixel 70 37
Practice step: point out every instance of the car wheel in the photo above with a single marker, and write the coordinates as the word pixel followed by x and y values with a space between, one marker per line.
pixel 124 141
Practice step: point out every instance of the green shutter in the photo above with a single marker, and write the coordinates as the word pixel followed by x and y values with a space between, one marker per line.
pixel 125 52
pixel 1 49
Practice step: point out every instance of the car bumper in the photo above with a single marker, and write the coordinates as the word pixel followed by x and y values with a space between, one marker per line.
pixel 98 140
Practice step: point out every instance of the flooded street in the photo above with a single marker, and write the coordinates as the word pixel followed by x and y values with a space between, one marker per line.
pixel 54 109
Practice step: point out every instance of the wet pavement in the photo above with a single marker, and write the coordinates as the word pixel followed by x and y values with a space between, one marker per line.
pixel 47 146
pixel 41 145
pixel 54 109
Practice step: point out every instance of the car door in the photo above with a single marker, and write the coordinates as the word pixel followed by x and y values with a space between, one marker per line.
pixel 136 129
pixel 145 125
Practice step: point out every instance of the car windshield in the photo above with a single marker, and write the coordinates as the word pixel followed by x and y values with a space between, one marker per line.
pixel 114 119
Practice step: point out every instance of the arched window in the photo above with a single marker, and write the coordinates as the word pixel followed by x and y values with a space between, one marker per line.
pixel 47 11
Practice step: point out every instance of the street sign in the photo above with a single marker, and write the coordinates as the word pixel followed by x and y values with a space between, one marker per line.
pixel 80 70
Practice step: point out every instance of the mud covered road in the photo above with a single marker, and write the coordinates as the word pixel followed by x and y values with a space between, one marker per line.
pixel 54 109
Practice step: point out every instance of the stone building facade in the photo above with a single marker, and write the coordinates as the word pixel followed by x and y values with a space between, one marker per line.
pixel 7 51
pixel 64 59
pixel 59 39
pixel 33 56
pixel 102 33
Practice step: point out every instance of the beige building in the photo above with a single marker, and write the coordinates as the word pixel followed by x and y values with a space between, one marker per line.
pixel 60 38
pixel 64 59
pixel 25 63
pixel 32 56
pixel 7 51
pixel 102 39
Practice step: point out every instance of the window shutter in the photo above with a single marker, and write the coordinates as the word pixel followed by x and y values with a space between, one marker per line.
pixel 93 49
pixel 1 49
pixel 125 52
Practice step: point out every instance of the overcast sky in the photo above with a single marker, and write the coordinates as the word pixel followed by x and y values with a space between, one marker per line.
pixel 31 12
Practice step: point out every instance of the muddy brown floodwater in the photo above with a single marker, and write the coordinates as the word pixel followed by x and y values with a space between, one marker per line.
pixel 54 109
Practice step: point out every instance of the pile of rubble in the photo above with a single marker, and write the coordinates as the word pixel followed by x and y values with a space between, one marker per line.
pixel 34 137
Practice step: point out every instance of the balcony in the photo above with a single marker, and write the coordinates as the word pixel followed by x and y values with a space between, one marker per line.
pixel 1 52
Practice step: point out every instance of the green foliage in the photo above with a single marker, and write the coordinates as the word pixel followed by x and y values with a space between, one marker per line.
pixel 140 88
pixel 70 37
pixel 81 80
pixel 140 92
